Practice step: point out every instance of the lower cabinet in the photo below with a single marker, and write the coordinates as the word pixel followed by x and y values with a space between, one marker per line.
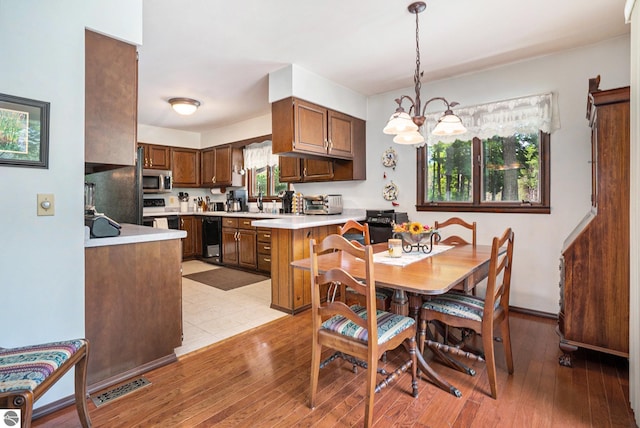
pixel 291 288
pixel 239 243
pixel 133 309
pixel 264 250
pixel 192 244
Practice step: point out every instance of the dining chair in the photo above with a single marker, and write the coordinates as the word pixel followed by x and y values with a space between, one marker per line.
pixel 362 332
pixel 456 239
pixel 480 315
pixel 26 373
pixel 362 237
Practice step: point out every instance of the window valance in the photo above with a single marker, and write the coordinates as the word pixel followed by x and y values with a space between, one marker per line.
pixel 258 155
pixel 502 118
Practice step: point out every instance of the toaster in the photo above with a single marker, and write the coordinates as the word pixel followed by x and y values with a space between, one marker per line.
pixel 323 204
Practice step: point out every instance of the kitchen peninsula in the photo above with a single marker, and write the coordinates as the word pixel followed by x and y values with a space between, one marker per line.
pixel 133 302
pixel 290 236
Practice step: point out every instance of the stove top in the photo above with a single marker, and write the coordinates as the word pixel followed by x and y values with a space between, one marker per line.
pixel 153 205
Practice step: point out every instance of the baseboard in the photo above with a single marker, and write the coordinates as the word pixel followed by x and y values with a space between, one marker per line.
pixel 533 312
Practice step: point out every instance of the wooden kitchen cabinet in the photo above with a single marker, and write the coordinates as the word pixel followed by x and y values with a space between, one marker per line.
pixel 192 244
pixel 156 156
pixel 264 249
pixel 111 103
pixel 239 243
pixel 297 170
pixel 133 309
pixel 594 279
pixel 185 167
pixel 303 128
pixel 291 288
pixel 221 166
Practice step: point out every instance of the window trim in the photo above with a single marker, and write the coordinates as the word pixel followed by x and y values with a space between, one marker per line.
pixel 542 207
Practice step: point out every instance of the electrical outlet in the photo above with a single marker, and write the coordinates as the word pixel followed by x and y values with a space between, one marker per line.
pixel 172 201
pixel 46 204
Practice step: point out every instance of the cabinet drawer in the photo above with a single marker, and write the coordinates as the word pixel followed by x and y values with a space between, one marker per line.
pixel 245 223
pixel 264 262
pixel 264 235
pixel 264 248
pixel 229 222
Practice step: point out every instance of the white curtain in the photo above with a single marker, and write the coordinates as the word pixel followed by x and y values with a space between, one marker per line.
pixel 258 155
pixel 524 115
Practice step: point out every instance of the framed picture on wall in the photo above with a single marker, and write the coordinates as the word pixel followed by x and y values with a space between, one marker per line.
pixel 24 132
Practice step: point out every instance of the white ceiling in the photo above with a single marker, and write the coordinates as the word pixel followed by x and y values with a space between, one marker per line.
pixel 221 52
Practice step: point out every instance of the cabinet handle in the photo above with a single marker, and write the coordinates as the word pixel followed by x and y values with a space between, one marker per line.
pixel 267 260
pixel 304 172
pixel 246 223
pixel 181 222
pixel 267 235
pixel 213 179
pixel 326 145
pixel 267 248
pixel 330 146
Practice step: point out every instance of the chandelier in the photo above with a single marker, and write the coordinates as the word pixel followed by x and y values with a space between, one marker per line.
pixel 405 125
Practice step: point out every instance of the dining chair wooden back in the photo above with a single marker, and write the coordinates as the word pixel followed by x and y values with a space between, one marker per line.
pixel 26 373
pixel 480 315
pixel 383 296
pixel 360 228
pixel 361 332
pixel 456 239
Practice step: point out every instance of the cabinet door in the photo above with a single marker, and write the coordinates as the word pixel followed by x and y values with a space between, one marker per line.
pixel 188 243
pixel 208 167
pixel 290 169
pixel 111 110
pixel 317 170
pixel 186 167
pixel 223 166
pixel 159 156
pixel 310 128
pixel 247 248
pixel 340 134
pixel 229 246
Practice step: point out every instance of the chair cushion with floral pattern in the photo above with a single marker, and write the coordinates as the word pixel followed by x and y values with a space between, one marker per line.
pixel 389 325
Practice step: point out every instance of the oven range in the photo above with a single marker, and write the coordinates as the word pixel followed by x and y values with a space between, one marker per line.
pixel 154 212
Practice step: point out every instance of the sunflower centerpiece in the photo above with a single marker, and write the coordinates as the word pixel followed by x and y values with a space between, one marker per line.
pixel 415 235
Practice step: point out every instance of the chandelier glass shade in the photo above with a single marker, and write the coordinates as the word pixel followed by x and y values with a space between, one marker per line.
pixel 184 106
pixel 406 126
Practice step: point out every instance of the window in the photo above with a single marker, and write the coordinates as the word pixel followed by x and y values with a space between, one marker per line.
pixel 263 171
pixel 503 167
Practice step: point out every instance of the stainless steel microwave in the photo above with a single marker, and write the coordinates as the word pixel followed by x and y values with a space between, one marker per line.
pixel 156 181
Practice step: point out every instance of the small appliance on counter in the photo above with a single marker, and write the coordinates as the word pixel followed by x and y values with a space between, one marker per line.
pixel 287 201
pixel 100 226
pixel 237 201
pixel 323 204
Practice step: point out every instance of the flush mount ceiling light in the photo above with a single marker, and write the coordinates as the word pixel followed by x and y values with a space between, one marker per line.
pixel 184 106
pixel 406 125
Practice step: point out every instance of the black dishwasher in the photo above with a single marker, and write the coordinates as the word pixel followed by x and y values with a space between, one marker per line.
pixel 212 239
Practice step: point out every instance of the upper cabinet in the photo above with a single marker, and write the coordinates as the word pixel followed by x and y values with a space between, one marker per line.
pixel 220 167
pixel 111 91
pixel 156 157
pixel 300 128
pixel 316 143
pixel 185 167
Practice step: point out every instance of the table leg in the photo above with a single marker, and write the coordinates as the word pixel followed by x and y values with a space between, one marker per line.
pixel 400 305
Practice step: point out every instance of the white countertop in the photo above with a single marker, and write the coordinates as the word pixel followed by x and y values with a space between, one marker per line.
pixel 134 234
pixel 292 221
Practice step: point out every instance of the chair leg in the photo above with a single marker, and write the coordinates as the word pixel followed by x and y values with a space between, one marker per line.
pixel 370 393
pixel 490 357
pixel 315 373
pixel 81 388
pixel 506 341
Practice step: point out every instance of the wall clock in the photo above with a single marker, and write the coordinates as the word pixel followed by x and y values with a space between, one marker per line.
pixel 390 158
pixel 390 192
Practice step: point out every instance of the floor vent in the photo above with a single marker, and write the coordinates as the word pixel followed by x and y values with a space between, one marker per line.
pixel 119 391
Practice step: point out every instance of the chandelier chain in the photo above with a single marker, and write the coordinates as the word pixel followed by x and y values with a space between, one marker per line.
pixel 416 77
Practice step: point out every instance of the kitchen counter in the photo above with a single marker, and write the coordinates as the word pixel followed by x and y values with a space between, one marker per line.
pixel 133 234
pixel 292 221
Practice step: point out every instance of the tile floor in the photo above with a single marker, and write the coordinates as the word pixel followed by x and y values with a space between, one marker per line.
pixel 210 315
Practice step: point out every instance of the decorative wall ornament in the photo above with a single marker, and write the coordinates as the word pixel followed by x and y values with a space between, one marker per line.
pixel 390 191
pixel 390 158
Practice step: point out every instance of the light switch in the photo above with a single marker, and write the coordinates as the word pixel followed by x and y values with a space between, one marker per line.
pixel 46 205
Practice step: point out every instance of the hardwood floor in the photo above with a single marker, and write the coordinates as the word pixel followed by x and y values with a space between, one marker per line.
pixel 261 379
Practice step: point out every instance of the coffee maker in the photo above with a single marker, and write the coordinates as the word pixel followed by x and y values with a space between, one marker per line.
pixel 287 201
pixel 237 201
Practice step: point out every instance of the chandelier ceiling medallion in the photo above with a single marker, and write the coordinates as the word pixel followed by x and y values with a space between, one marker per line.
pixel 405 125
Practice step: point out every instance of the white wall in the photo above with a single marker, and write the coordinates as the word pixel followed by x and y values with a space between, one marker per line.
pixel 168 137
pixel 538 237
pixel 42 258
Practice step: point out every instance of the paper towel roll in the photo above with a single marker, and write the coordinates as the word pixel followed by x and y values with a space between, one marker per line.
pixel 161 223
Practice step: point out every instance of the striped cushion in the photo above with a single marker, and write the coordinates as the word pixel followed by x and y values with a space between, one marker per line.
pixel 380 294
pixel 461 305
pixel 389 325
pixel 27 367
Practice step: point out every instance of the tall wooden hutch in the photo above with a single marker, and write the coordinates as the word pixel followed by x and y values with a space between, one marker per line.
pixel 594 280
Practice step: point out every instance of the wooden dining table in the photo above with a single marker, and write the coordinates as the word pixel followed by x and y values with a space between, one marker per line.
pixel 461 265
